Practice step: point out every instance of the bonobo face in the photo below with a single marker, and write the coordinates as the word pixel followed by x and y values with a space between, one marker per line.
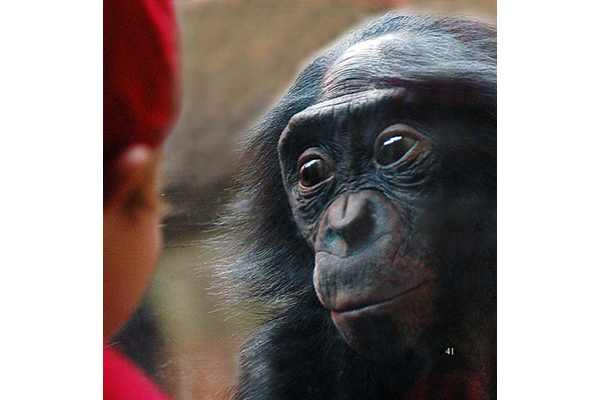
pixel 366 176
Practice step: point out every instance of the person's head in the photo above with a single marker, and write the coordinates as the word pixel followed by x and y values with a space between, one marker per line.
pixel 140 104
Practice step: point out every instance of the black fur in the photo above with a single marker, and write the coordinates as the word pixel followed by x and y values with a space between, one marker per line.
pixel 297 353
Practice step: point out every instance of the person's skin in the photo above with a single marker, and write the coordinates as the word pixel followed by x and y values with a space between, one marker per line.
pixel 132 238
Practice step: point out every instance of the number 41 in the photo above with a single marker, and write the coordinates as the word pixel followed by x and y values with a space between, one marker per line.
pixel 450 351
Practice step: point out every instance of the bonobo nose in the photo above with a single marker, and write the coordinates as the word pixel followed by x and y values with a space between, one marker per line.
pixel 352 221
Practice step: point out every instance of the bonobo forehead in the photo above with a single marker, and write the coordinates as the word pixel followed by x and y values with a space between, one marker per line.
pixel 347 105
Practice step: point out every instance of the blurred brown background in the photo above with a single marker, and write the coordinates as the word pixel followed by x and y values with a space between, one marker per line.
pixel 238 57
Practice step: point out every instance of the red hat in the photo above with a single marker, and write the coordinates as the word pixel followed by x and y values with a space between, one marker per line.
pixel 141 73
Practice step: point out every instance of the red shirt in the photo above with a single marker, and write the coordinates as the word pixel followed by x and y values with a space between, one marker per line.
pixel 123 380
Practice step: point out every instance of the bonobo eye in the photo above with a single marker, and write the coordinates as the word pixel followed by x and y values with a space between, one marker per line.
pixel 313 169
pixel 395 142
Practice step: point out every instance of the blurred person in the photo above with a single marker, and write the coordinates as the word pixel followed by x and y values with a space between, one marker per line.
pixel 141 80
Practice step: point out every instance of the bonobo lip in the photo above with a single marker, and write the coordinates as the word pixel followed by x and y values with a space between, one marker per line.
pixel 364 307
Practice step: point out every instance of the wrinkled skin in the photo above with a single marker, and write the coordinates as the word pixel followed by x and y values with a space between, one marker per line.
pixel 369 207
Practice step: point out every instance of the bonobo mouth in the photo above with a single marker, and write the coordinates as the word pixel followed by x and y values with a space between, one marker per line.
pixel 350 306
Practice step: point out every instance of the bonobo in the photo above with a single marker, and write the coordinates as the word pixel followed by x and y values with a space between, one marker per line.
pixel 365 225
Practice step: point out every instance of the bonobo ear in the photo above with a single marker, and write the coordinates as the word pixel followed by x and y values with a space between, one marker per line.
pixel 124 177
